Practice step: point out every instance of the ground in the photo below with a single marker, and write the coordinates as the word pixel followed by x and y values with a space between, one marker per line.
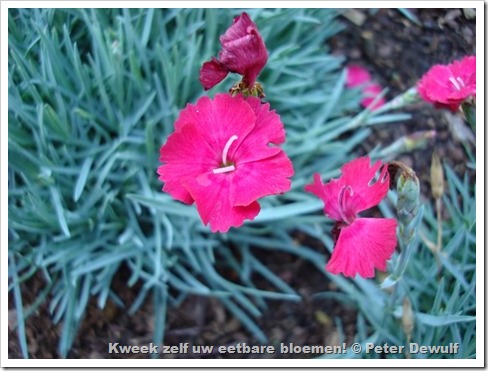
pixel 397 51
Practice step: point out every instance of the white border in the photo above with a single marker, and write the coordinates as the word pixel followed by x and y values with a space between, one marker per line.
pixel 479 362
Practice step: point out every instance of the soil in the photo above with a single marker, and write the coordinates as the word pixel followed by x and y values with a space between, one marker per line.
pixel 397 52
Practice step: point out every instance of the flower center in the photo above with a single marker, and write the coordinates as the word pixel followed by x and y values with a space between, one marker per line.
pixel 226 166
pixel 345 214
pixel 457 82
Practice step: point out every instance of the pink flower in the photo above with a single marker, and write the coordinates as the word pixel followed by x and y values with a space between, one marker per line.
pixel 243 52
pixel 449 86
pixel 220 158
pixel 363 243
pixel 357 76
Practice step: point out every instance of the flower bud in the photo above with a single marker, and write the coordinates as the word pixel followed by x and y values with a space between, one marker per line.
pixel 408 321
pixel 407 185
pixel 436 177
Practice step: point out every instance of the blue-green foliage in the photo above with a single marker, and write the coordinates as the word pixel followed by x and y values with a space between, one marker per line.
pixel 93 93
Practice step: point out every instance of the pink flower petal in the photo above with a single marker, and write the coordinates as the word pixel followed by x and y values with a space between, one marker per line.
pixel 355 191
pixel 268 122
pixel 434 85
pixel 185 155
pixel 360 174
pixel 212 198
pixel 261 178
pixel 466 70
pixel 370 93
pixel 212 72
pixel 329 196
pixel 219 119
pixel 268 129
pixel 356 75
pixel 364 245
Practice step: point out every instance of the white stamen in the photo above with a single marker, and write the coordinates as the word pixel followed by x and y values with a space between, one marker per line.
pixel 342 202
pixel 455 83
pixel 460 80
pixel 226 148
pixel 224 169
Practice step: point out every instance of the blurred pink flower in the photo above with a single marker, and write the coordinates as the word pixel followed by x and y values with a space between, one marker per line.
pixel 449 86
pixel 363 244
pixel 357 76
pixel 243 52
pixel 220 158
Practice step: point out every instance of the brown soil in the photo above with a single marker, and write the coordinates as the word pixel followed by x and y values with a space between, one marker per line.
pixel 397 52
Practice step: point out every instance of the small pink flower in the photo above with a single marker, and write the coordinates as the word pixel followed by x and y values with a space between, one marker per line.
pixel 449 86
pixel 243 52
pixel 363 243
pixel 357 76
pixel 220 158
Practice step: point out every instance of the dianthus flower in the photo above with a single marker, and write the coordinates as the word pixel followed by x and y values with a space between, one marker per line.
pixel 243 52
pixel 449 86
pixel 220 158
pixel 357 76
pixel 363 244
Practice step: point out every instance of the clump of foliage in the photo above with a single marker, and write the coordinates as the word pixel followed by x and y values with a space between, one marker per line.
pixel 92 96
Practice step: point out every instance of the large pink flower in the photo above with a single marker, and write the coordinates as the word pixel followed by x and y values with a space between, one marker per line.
pixel 363 243
pixel 449 86
pixel 243 52
pixel 220 157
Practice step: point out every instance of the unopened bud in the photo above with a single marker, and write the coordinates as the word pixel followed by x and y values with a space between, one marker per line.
pixel 408 321
pixel 408 188
pixel 405 99
pixel 408 143
pixel 436 177
pixel 418 139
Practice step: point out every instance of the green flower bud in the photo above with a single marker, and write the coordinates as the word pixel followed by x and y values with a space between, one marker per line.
pixel 436 177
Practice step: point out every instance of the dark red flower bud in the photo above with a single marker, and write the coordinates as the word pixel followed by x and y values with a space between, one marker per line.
pixel 243 52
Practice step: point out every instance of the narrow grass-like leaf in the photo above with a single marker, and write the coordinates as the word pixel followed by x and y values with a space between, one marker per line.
pixel 80 183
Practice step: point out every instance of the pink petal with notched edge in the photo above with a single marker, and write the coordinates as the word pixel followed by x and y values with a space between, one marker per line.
pixel 268 122
pixel 435 85
pixel 261 178
pixel 465 69
pixel 185 155
pixel 268 129
pixel 370 93
pixel 356 75
pixel 212 198
pixel 219 119
pixel 364 245
pixel 243 49
pixel 329 196
pixel 365 191
pixel 360 174
pixel 212 72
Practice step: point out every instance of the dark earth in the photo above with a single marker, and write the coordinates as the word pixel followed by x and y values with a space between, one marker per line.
pixel 397 51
